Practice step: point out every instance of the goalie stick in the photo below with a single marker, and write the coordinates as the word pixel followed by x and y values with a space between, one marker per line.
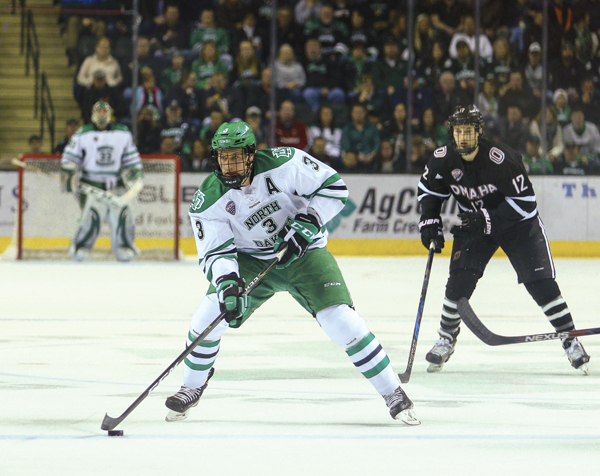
pixel 488 337
pixel 109 423
pixel 405 377
pixel 85 188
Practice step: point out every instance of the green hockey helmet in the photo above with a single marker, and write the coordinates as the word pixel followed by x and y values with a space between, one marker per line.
pixel 234 136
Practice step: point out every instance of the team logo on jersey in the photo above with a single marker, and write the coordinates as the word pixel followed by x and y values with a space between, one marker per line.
pixel 230 207
pixel 496 155
pixel 456 256
pixel 457 174
pixel 441 152
pixel 198 199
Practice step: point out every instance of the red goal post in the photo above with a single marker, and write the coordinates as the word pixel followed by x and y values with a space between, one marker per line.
pixel 47 217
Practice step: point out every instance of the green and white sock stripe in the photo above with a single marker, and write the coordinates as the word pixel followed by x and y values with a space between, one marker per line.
pixel 204 355
pixel 368 356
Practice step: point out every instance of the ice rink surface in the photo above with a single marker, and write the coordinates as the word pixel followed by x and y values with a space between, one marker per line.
pixel 80 340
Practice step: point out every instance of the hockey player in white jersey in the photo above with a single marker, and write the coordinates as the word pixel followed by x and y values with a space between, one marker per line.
pixel 103 156
pixel 256 202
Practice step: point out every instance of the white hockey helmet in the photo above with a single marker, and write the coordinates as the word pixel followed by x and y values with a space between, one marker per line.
pixel 101 114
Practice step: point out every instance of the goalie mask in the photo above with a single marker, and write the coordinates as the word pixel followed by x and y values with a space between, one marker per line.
pixel 468 136
pixel 101 114
pixel 232 152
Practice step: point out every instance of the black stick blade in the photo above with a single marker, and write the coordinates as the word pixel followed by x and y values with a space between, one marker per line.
pixel 109 423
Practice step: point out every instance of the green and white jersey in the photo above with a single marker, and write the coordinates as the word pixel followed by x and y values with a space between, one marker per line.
pixel 101 155
pixel 286 182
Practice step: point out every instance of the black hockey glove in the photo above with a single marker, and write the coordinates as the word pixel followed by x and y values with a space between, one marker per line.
pixel 432 229
pixel 473 225
pixel 299 235
pixel 232 300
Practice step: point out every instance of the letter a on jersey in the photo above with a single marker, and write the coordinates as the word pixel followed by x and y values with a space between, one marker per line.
pixel 271 187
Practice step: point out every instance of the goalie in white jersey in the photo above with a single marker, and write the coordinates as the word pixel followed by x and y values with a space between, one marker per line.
pixel 104 159
pixel 254 203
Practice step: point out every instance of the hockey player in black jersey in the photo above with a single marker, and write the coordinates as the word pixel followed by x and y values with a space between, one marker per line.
pixel 497 208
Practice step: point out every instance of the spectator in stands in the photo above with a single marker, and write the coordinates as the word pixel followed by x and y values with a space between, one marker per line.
pixel 468 36
pixel 325 128
pixel 434 135
pixel 145 59
pixel 560 22
pixel 361 33
pixel 199 159
pixel 230 14
pixel 395 130
pixel 342 11
pixel 174 126
pixel 212 123
pixel 585 41
pixel 534 162
pixel 100 91
pixel 566 73
pixel 590 100
pixel 418 155
pixel 253 118
pixel 221 95
pixel 424 37
pixel 319 151
pixel 246 68
pixel 572 162
pixel 35 144
pixel 172 34
pixel 289 73
pixel 207 30
pixel 188 97
pixel 353 67
pixel 390 70
pixel 288 32
pixel 446 98
pixel 512 130
pixel 331 33
pixel 148 131
pixel 252 33
pixel 259 94
pixel 306 10
pixel 378 14
pixel 322 78
pixel 360 142
pixel 80 24
pixel 463 67
pixel 71 127
pixel 487 102
pixel 289 131
pixel 501 63
pixel 167 145
pixel 398 30
pixel 100 60
pixel 430 68
pixel 447 16
pixel 386 159
pixel 171 76
pixel 554 138
pixel 584 133
pixel 148 94
pixel 533 71
pixel 373 99
pixel 561 107
pixel 516 92
pixel 207 63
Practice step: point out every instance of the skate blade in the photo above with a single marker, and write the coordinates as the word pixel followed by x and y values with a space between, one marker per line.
pixel 409 417
pixel 434 368
pixel 176 416
pixel 584 369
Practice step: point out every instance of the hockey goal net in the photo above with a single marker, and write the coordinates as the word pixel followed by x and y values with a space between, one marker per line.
pixel 47 217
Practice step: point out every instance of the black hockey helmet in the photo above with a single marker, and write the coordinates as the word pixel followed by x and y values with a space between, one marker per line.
pixel 468 115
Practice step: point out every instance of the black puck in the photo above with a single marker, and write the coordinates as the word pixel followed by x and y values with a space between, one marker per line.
pixel 115 432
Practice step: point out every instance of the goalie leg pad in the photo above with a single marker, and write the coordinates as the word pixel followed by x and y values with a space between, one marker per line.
pixel 88 228
pixel 347 329
pixel 122 232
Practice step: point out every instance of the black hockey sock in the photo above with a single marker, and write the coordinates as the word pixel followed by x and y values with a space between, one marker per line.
pixel 461 283
pixel 450 321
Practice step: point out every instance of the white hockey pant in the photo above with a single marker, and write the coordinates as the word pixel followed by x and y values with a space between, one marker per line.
pixel 122 230
pixel 341 323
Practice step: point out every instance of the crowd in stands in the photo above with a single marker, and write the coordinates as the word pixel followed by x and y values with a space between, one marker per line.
pixel 341 77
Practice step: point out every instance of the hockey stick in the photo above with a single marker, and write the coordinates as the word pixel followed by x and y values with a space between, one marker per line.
pixel 110 423
pixel 405 377
pixel 488 337
pixel 87 189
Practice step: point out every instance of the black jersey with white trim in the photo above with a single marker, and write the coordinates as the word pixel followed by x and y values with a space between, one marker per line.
pixel 495 180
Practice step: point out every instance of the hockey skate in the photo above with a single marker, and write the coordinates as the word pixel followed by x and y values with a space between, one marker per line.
pixel 183 401
pixel 400 405
pixel 439 354
pixel 577 355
